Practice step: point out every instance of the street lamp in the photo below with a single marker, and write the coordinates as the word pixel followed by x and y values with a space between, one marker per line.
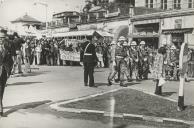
pixel 46 6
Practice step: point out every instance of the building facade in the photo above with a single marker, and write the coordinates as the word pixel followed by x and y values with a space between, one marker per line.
pixel 165 27
pixel 166 4
pixel 26 25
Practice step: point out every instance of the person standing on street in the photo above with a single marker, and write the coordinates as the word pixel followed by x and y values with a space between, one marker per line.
pixel 134 57
pixel 88 59
pixel 158 70
pixel 144 66
pixel 27 54
pixel 38 50
pixel 110 56
pixel 47 53
pixel 18 45
pixel 119 58
pixel 5 65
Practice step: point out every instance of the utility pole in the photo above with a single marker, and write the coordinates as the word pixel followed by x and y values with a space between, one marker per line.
pixel 183 65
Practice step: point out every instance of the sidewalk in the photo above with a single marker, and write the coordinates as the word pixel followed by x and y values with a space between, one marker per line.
pixel 170 90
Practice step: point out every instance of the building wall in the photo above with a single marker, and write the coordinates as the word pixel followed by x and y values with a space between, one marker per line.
pixel 140 3
pixel 106 26
pixel 21 29
pixel 169 23
pixel 157 3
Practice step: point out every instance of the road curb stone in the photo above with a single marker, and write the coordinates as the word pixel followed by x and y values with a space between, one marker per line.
pixel 56 106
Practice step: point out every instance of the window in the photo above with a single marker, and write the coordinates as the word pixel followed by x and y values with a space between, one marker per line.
pixel 177 4
pixel 146 3
pixel 162 1
pixel 190 3
pixel 165 4
pixel 151 4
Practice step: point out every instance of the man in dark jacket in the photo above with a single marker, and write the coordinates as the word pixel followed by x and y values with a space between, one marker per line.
pixel 18 45
pixel 89 59
pixel 5 65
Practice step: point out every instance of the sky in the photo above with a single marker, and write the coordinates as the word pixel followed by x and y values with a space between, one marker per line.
pixel 12 9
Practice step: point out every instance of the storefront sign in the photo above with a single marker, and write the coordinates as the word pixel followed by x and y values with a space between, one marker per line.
pixel 112 14
pixel 178 23
pixel 72 26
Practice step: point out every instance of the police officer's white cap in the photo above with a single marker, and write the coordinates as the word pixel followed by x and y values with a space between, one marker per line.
pixel 113 43
pixel 133 43
pixel 142 42
pixel 2 35
pixel 125 43
pixel 172 47
pixel 122 38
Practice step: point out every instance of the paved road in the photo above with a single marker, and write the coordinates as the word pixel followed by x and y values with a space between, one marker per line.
pixel 27 97
pixel 51 83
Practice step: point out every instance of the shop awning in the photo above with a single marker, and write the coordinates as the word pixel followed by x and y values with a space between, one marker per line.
pixel 82 33
pixel 176 31
pixel 145 36
pixel 74 33
pixel 105 34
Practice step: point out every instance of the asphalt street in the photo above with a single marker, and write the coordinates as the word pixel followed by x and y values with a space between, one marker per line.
pixel 27 98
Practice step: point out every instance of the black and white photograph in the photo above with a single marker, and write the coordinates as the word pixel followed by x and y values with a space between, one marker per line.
pixel 96 64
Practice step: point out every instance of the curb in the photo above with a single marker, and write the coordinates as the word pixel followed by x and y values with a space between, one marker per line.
pixel 56 107
pixel 124 116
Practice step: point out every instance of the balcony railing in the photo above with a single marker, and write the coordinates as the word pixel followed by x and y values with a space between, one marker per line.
pixel 113 10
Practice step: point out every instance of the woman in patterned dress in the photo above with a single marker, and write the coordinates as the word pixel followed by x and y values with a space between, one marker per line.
pixel 158 69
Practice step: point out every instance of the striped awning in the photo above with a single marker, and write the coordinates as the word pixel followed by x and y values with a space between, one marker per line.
pixel 176 31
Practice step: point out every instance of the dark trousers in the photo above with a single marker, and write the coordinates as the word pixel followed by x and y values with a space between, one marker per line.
pixel 3 80
pixel 89 72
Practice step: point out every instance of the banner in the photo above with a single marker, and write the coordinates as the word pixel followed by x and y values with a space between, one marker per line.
pixel 69 55
pixel 75 56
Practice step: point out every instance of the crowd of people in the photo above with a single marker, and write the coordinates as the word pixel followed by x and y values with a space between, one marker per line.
pixel 137 60
pixel 130 59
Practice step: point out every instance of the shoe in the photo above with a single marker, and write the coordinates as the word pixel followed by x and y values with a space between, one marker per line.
pixel 93 86
pixel 123 85
pixel 129 80
pixel 85 84
pixel 109 82
pixel 117 80
pixel 145 78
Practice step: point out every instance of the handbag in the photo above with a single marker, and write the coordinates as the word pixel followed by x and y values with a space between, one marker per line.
pixel 162 81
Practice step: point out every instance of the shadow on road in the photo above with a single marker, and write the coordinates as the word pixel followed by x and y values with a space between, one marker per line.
pixel 101 84
pixel 166 94
pixel 106 84
pixel 34 74
pixel 132 83
pixel 24 106
pixel 22 83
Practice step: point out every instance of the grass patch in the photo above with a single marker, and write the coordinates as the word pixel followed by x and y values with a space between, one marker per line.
pixel 135 102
